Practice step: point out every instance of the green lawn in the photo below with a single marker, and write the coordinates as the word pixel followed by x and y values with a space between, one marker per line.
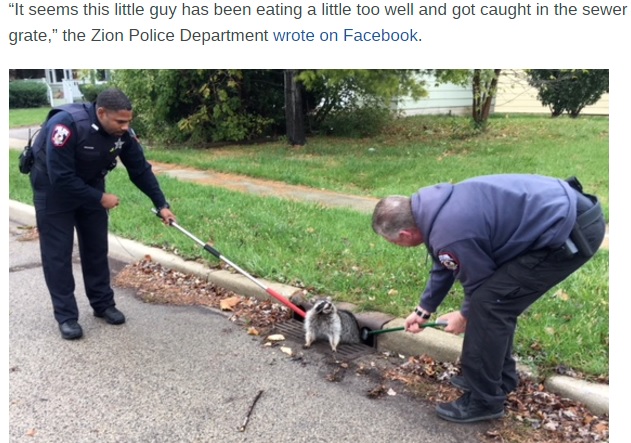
pixel 335 252
pixel 27 117
pixel 420 151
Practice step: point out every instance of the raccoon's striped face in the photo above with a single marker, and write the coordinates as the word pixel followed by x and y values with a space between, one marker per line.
pixel 324 307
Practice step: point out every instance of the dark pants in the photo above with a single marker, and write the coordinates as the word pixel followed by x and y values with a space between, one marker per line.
pixel 56 235
pixel 487 362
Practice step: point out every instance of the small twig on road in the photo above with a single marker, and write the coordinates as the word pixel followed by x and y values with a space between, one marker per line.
pixel 247 417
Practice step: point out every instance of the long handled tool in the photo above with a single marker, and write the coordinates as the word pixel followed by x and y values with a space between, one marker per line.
pixel 217 254
pixel 365 332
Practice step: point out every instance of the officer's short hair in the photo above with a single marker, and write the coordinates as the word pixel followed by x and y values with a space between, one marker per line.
pixel 113 100
pixel 392 215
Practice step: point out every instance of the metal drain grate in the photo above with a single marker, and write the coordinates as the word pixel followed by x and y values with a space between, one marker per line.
pixel 294 330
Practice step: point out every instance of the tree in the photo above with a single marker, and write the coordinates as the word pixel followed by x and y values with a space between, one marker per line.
pixel 356 102
pixel 205 105
pixel 236 105
pixel 569 89
pixel 294 115
pixel 342 90
pixel 484 90
pixel 484 86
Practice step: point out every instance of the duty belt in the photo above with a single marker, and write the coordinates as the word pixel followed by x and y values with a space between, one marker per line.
pixel 577 243
pixel 577 237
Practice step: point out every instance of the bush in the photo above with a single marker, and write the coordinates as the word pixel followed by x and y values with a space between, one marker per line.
pixel 357 122
pixel 90 90
pixel 27 94
pixel 202 106
pixel 569 89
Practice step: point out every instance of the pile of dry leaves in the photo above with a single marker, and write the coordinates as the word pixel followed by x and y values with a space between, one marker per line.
pixel 157 284
pixel 545 417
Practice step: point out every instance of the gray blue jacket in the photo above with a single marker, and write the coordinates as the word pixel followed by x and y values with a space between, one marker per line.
pixel 473 227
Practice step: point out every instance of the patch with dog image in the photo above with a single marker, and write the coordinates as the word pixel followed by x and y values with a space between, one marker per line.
pixel 61 134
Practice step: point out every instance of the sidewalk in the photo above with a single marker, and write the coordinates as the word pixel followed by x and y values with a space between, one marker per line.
pixel 437 344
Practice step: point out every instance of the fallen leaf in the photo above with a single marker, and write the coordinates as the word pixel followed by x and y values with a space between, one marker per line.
pixel 287 350
pixel 31 432
pixel 376 392
pixel 30 234
pixel 562 295
pixel 391 392
pixel 276 337
pixel 393 292
pixel 253 331
pixel 228 304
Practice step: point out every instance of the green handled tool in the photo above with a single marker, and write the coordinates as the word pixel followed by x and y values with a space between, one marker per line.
pixel 367 332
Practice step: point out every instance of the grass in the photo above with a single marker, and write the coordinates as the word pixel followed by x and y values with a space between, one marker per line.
pixel 27 117
pixel 333 251
pixel 420 151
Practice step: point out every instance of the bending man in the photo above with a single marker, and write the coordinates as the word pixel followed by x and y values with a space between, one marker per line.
pixel 508 239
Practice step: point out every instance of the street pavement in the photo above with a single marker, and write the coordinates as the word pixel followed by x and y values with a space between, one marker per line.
pixel 182 374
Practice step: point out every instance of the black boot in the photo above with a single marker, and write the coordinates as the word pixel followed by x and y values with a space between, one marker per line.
pixel 70 330
pixel 467 410
pixel 111 315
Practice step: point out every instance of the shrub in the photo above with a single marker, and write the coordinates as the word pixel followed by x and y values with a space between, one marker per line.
pixel 91 90
pixel 27 94
pixel 357 122
pixel 569 89
pixel 203 106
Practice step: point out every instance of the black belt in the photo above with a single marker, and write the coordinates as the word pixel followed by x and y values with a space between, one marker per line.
pixel 577 243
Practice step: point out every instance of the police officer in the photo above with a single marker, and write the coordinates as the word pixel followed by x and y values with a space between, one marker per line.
pixel 76 147
pixel 508 239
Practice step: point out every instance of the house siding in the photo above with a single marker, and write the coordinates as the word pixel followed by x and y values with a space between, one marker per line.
pixel 445 98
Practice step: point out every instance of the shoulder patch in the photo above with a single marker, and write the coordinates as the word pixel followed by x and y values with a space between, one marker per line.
pixel 61 134
pixel 448 261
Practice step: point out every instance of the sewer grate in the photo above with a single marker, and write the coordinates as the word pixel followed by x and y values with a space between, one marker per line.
pixel 294 330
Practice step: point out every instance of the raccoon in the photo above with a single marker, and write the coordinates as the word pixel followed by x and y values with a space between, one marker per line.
pixel 325 321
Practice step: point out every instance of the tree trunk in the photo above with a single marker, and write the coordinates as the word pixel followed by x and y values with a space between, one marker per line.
pixel 490 93
pixel 483 94
pixel 293 110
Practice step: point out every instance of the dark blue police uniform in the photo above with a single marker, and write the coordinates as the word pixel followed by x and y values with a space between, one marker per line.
pixel 508 239
pixel 73 154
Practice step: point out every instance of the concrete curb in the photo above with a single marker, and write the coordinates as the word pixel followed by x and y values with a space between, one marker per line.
pixel 435 343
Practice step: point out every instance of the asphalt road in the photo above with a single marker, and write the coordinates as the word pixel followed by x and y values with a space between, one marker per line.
pixel 183 374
